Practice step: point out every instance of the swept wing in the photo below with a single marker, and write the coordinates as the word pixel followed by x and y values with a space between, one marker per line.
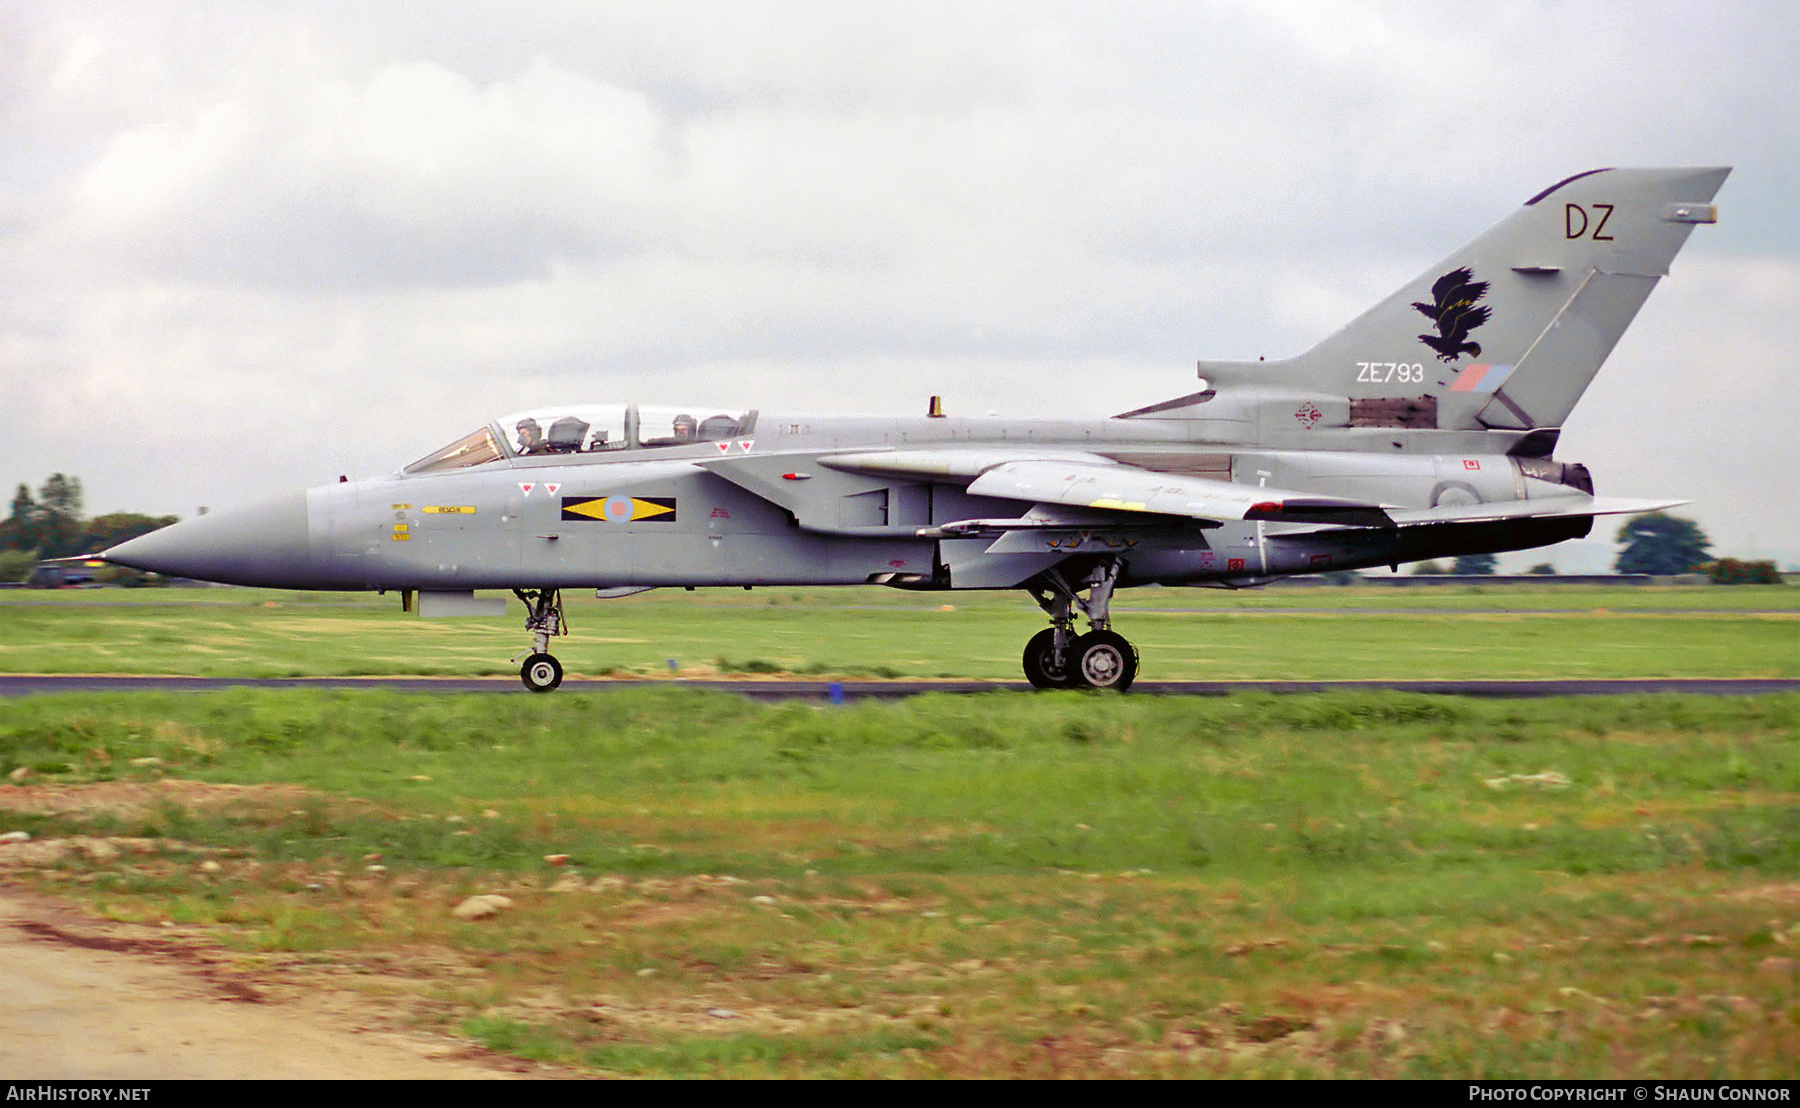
pixel 1090 481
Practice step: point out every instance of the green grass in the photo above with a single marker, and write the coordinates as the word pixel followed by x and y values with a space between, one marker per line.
pixel 1039 885
pixel 1317 634
pixel 1006 884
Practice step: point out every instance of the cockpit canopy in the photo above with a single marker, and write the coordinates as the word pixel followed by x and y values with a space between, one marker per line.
pixel 587 430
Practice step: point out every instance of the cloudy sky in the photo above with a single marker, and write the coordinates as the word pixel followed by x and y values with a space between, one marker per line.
pixel 247 246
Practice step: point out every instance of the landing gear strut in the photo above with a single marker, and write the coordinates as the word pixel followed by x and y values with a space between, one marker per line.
pixel 543 618
pixel 1058 658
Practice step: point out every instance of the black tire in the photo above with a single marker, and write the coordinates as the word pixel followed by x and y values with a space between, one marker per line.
pixel 541 673
pixel 1103 660
pixel 1040 667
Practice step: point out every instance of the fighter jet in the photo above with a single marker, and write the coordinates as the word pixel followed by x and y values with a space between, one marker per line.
pixel 1378 446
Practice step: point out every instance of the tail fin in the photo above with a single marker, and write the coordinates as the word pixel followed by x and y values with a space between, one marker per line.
pixel 1507 332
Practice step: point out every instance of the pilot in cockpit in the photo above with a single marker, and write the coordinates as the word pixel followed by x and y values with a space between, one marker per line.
pixel 531 437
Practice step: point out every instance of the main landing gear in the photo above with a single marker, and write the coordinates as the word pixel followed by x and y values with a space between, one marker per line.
pixel 543 618
pixel 1058 658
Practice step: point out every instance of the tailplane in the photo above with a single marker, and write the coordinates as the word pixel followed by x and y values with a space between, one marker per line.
pixel 1504 334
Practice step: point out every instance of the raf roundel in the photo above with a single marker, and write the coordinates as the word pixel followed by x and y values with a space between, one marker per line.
pixel 619 509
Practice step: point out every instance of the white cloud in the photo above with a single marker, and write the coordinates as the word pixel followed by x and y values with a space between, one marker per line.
pixel 1693 403
pixel 412 176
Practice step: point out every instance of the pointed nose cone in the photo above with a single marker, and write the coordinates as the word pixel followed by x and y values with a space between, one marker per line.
pixel 267 544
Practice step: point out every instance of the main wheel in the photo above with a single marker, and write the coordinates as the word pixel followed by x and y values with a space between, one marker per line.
pixel 541 673
pixel 1103 660
pixel 1040 662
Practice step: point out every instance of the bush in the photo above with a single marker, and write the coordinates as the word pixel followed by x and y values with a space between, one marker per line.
pixel 1475 565
pixel 1730 571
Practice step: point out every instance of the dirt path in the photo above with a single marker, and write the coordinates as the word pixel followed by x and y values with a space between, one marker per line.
pixel 97 1000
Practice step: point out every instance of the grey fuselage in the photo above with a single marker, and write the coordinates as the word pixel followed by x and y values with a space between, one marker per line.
pixel 766 507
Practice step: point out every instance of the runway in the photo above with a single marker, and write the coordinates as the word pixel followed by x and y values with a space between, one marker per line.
pixel 29 685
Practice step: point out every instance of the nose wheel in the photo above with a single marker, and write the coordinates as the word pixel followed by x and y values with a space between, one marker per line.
pixel 543 618
pixel 1057 657
pixel 541 672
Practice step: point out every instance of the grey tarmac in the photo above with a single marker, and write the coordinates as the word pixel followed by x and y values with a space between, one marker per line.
pixel 29 685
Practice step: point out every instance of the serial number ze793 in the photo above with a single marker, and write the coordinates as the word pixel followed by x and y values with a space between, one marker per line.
pixel 1380 373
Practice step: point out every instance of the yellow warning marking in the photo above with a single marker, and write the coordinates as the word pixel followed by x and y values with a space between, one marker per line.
pixel 1119 505
pixel 402 507
pixel 449 509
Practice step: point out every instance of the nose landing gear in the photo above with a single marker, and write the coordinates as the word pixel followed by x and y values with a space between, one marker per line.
pixel 543 618
pixel 1058 658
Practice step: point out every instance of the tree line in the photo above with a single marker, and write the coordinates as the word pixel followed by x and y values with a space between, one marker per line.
pixel 50 524
pixel 1655 543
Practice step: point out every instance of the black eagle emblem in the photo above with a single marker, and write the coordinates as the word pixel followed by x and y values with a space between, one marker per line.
pixel 1456 313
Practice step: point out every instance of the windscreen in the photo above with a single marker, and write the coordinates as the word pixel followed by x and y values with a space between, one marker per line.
pixel 472 449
